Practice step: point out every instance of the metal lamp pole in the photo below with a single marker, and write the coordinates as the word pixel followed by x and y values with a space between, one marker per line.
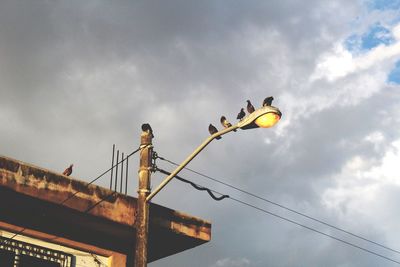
pixel 142 217
pixel 142 223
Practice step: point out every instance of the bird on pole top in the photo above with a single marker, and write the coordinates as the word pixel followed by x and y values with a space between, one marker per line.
pixel 147 128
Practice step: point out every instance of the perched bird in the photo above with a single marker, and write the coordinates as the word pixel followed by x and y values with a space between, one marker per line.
pixel 147 128
pixel 268 101
pixel 241 114
pixel 225 123
pixel 213 130
pixel 250 108
pixel 68 170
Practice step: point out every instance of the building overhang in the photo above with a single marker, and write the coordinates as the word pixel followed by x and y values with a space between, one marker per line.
pixel 31 197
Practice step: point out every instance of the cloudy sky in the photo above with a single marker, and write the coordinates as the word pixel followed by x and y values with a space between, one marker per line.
pixel 79 76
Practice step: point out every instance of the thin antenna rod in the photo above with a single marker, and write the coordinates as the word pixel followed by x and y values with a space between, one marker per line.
pixel 122 173
pixel 116 172
pixel 112 167
pixel 126 177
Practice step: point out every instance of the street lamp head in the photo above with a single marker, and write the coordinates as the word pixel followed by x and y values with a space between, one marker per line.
pixel 264 117
pixel 267 120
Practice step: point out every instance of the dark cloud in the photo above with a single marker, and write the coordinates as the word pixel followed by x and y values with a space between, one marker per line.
pixel 77 77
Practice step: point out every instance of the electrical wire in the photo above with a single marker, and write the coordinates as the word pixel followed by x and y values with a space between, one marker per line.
pixel 91 182
pixel 315 230
pixel 88 209
pixel 98 202
pixel 283 207
pixel 101 175
pixel 196 186
pixel 308 227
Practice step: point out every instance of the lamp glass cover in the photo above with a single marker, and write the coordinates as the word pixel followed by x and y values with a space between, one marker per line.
pixel 267 120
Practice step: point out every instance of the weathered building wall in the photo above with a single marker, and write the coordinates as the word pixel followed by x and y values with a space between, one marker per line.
pixel 108 228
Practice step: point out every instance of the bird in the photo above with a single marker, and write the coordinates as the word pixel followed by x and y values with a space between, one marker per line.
pixel 241 114
pixel 147 128
pixel 225 122
pixel 250 107
pixel 68 170
pixel 268 101
pixel 213 130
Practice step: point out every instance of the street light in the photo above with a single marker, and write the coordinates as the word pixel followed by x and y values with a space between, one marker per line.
pixel 264 117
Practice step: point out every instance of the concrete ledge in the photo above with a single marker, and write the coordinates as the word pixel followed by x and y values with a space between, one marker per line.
pixel 36 190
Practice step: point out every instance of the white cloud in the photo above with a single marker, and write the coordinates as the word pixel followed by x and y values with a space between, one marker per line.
pixel 388 172
pixel 340 63
pixel 335 64
pixel 361 180
pixel 228 262
pixel 396 32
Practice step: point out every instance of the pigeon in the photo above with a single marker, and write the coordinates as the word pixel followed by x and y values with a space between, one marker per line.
pixel 68 170
pixel 213 130
pixel 267 101
pixel 250 108
pixel 147 128
pixel 226 123
pixel 241 114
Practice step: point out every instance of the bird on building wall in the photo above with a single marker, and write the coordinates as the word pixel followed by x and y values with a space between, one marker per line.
pixel 250 107
pixel 68 170
pixel 241 114
pixel 213 130
pixel 267 101
pixel 225 123
pixel 147 128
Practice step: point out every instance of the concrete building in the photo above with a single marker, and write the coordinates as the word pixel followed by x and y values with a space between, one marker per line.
pixel 95 227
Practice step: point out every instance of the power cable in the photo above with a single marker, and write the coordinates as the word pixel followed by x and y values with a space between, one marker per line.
pixel 196 186
pixel 91 182
pixel 98 202
pixel 90 208
pixel 314 230
pixel 101 175
pixel 309 228
pixel 283 207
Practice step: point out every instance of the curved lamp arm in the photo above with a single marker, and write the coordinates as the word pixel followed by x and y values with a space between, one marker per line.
pixel 248 122
pixel 189 158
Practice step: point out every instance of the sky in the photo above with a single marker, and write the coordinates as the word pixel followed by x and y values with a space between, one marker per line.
pixel 77 77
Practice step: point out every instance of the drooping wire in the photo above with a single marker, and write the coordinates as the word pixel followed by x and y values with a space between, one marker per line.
pixel 97 260
pixel 198 187
pixel 91 182
pixel 101 175
pixel 284 207
pixel 90 208
pixel 308 227
pixel 315 230
pixel 98 202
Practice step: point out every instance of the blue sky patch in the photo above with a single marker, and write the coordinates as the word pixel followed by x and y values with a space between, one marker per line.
pixel 376 35
pixel 394 76
pixel 383 4
pixel 353 43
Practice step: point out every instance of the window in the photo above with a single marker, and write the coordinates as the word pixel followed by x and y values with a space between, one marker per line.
pixel 7 258
pixel 29 261
pixel 14 253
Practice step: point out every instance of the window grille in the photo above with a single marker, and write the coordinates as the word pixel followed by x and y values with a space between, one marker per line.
pixel 15 253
